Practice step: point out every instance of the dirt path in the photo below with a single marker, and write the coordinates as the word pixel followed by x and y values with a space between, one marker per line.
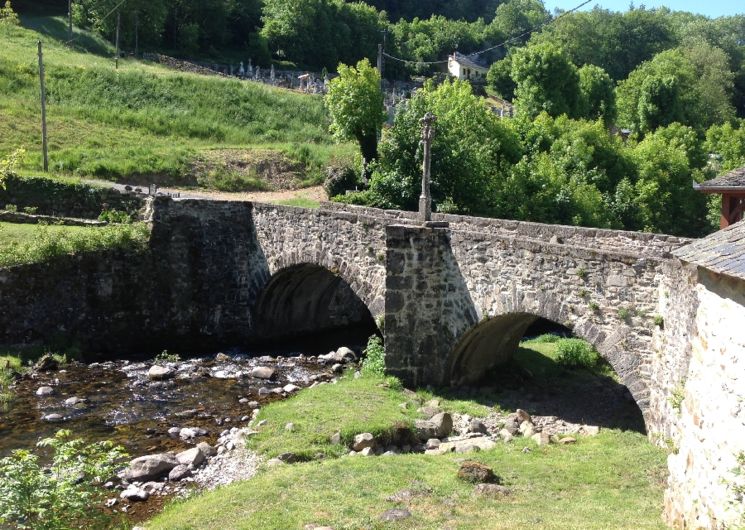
pixel 315 193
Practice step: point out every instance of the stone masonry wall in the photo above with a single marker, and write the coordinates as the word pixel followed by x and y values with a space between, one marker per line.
pixel 706 485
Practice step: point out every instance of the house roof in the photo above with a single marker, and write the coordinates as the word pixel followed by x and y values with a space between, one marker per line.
pixel 465 60
pixel 732 181
pixel 722 252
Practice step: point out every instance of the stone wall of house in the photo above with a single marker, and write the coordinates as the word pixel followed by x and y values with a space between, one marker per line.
pixel 706 486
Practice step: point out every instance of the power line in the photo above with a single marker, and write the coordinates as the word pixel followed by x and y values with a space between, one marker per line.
pixel 500 45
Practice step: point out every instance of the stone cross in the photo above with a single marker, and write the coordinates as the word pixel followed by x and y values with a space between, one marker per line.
pixel 428 133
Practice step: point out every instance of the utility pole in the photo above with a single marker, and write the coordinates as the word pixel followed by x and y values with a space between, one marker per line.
pixel 137 33
pixel 69 20
pixel 118 23
pixel 44 147
pixel 425 200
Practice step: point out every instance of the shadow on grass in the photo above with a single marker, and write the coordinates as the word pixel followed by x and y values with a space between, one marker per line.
pixel 56 28
pixel 533 381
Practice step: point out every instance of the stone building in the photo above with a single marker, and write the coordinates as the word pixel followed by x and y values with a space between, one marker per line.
pixel 706 486
pixel 463 67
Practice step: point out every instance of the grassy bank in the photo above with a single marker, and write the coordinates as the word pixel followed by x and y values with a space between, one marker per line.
pixel 26 243
pixel 613 480
pixel 143 122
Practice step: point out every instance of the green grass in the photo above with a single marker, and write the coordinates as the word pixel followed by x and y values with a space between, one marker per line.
pixel 24 243
pixel 350 407
pixel 144 123
pixel 301 202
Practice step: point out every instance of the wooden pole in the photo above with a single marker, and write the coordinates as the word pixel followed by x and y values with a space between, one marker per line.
pixel 137 33
pixel 44 147
pixel 69 20
pixel 118 23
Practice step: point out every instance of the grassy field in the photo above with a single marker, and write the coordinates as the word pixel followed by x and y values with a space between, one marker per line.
pixel 26 243
pixel 144 123
pixel 613 480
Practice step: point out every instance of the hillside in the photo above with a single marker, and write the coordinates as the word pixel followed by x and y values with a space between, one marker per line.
pixel 144 123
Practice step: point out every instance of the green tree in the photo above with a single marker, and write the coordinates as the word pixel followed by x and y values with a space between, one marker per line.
pixel 727 141
pixel 355 103
pixel 499 78
pixel 545 81
pixel 8 17
pixel 597 94
pixel 658 93
pixel 667 161
pixel 471 153
pixel 65 494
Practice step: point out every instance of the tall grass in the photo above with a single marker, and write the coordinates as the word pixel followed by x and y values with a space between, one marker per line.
pixel 144 120
pixel 23 244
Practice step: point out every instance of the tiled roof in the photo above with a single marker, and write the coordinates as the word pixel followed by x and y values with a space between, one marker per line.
pixel 470 62
pixel 733 179
pixel 722 252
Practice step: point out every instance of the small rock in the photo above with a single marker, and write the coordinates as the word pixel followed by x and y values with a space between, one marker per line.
pixel 493 491
pixel 523 416
pixel 134 494
pixel 262 423
pixel 288 458
pixel 337 368
pixel 111 502
pixel 395 514
pixel 290 388
pixel 335 438
pixel 367 451
pixel 262 372
pixel 477 473
pixel 44 391
pixel 179 472
pixel 589 430
pixel 193 457
pixel 432 443
pixel 150 467
pixel 477 426
pixel 428 411
pixel 443 424
pixel 541 438
pixel 160 373
pixel 505 435
pixel 207 449
pixel 567 440
pixel 73 401
pixel 425 429
pixel 47 363
pixel 264 391
pixel 253 404
pixel 290 427
pixel 527 429
pixel 362 441
pixel 222 358
pixel 53 418
pixel 174 431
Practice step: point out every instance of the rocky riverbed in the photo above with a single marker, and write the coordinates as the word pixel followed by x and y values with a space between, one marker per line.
pixel 184 422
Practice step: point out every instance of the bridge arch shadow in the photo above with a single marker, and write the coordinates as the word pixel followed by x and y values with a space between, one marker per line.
pixel 309 301
pixel 498 354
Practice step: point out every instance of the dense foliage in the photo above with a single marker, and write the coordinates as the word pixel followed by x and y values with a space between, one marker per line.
pixel 61 495
pixel 576 353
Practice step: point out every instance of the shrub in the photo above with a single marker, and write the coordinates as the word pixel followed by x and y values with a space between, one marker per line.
pixel 165 357
pixel 62 495
pixel 339 180
pixel 576 353
pixel 8 16
pixel 10 163
pixel 115 216
pixel 374 363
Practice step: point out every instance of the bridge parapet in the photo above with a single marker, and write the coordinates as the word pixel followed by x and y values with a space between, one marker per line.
pixel 618 241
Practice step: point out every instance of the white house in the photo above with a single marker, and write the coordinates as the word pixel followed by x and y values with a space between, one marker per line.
pixel 463 67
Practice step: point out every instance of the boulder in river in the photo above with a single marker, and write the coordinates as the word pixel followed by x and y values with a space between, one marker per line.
pixel 193 457
pixel 342 355
pixel 160 373
pixel 44 391
pixel 262 372
pixel 179 472
pixel 135 494
pixel 150 467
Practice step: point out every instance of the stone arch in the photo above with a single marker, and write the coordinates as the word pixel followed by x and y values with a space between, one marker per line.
pixel 369 286
pixel 494 339
pixel 305 299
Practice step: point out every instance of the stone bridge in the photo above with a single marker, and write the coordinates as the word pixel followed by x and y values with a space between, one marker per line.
pixel 452 301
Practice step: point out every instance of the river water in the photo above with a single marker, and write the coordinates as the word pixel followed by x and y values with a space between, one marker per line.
pixel 120 403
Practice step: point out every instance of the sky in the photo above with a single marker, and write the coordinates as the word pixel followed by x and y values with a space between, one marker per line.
pixel 710 8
